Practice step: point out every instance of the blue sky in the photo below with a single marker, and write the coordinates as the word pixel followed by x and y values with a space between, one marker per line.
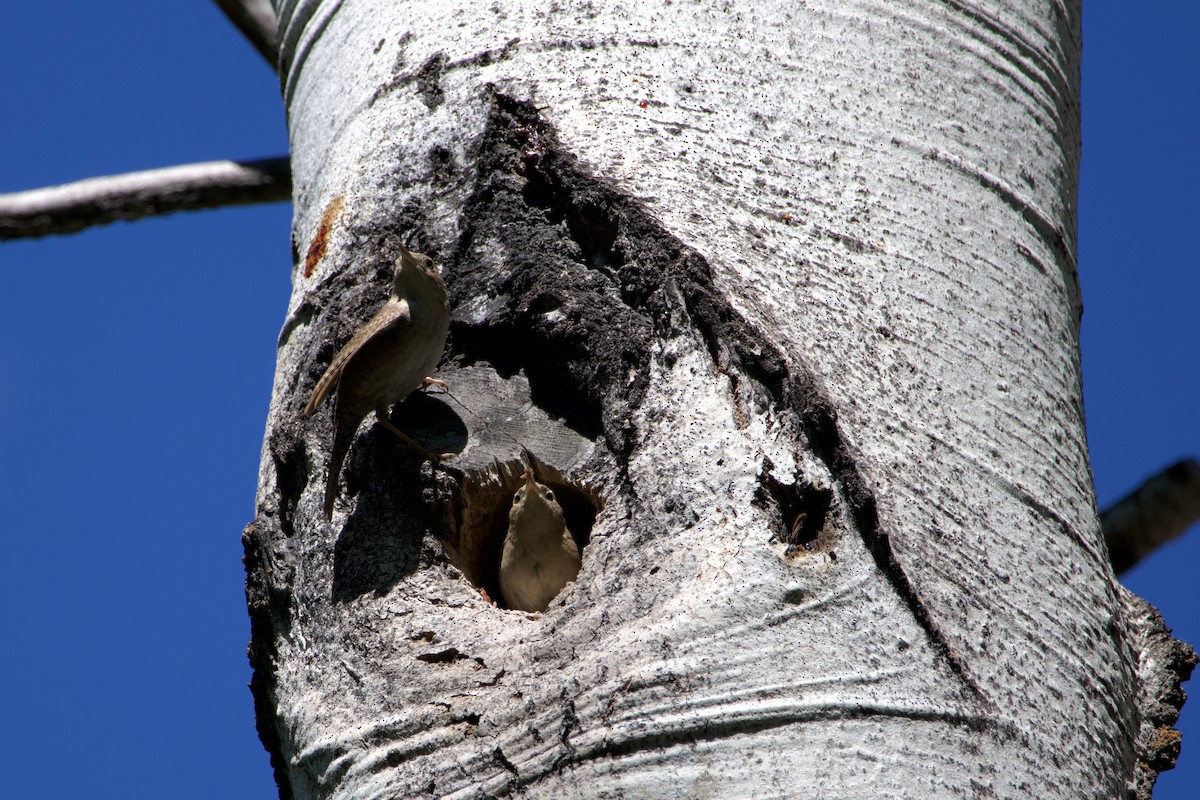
pixel 136 360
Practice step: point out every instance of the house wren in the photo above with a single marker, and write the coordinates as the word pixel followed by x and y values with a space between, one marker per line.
pixel 539 557
pixel 386 360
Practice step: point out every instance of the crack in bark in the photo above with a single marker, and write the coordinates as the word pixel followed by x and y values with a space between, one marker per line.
pixel 821 425
pixel 708 730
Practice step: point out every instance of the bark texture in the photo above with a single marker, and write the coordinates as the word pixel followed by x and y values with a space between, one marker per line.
pixel 789 289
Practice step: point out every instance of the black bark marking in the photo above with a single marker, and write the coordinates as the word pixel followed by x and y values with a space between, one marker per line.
pixel 591 279
pixel 448 656
pixel 292 469
pixel 503 761
pixel 429 81
pixel 554 309
pixel 268 601
pixel 570 722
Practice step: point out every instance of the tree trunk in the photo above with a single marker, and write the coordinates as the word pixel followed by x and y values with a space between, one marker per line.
pixel 783 300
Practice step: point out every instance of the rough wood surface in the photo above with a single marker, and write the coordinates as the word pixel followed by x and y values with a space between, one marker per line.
pixel 798 280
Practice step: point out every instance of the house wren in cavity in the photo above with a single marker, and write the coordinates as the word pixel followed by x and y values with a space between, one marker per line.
pixel 540 557
pixel 386 360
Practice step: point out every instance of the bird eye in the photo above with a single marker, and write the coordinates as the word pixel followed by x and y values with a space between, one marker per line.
pixel 549 495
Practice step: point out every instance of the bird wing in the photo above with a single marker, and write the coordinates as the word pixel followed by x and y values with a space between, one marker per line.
pixel 393 315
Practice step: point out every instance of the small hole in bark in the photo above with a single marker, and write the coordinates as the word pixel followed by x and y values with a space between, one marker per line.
pixel 479 516
pixel 802 509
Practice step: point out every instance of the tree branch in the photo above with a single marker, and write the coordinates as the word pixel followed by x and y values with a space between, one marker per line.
pixel 74 206
pixel 1156 512
pixel 256 20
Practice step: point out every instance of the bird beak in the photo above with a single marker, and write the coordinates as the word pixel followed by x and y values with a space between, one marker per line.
pixel 407 261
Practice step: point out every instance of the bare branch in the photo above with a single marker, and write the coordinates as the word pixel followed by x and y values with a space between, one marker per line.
pixel 256 20
pixel 1156 512
pixel 74 206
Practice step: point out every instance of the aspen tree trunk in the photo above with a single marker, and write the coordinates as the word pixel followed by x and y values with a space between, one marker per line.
pixel 789 290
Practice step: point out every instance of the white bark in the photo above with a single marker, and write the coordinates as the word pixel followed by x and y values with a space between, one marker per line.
pixel 832 245
pixel 72 207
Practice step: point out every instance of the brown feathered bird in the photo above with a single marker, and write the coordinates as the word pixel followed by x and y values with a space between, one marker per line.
pixel 539 557
pixel 386 360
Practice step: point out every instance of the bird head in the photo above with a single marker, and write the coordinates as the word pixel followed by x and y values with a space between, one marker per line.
pixel 416 275
pixel 536 500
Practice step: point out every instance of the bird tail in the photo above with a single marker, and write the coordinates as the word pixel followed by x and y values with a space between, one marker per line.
pixel 343 434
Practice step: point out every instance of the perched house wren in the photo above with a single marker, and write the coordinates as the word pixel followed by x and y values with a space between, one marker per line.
pixel 539 557
pixel 386 360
